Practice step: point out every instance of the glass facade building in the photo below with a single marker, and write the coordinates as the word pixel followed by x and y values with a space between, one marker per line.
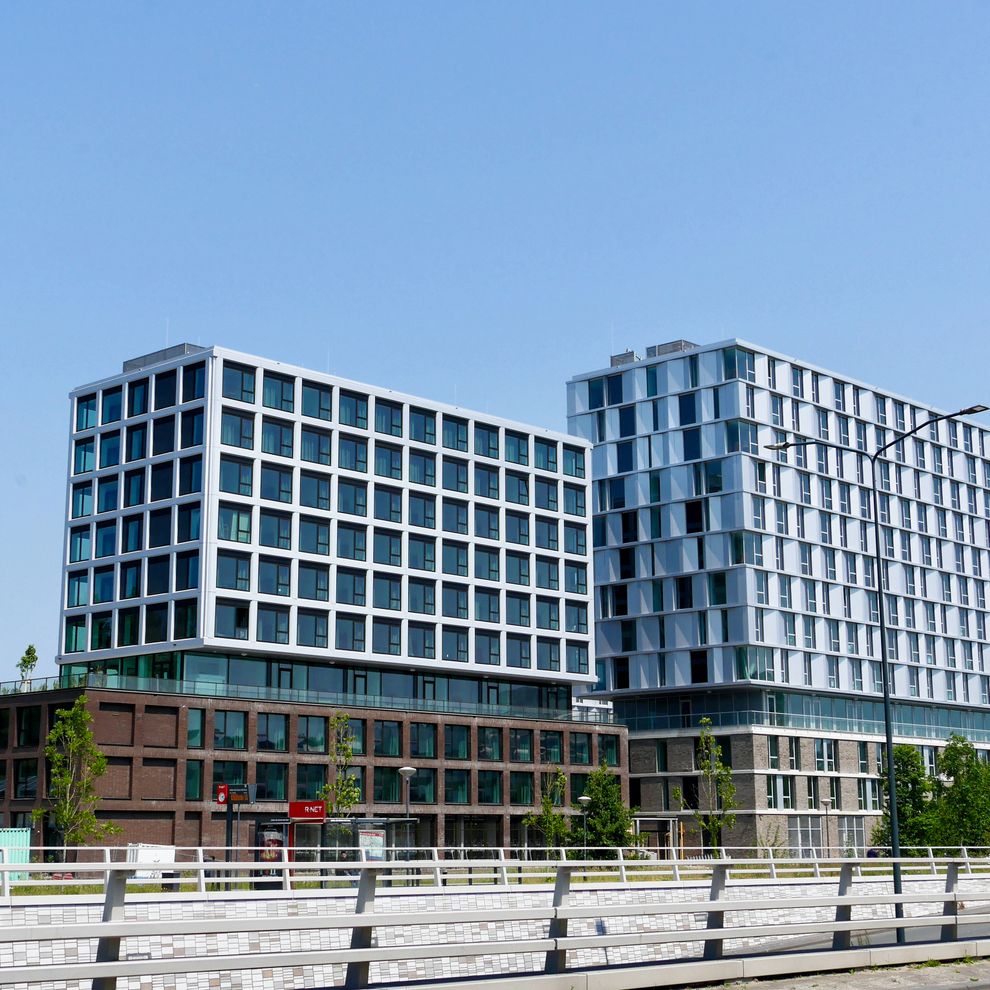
pixel 737 583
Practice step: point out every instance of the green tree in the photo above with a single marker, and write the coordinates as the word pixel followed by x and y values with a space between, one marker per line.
pixel 962 796
pixel 716 807
pixel 609 821
pixel 28 662
pixel 75 764
pixel 915 817
pixel 341 791
pixel 551 823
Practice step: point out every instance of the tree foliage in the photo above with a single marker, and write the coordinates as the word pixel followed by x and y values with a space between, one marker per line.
pixel 551 823
pixel 341 791
pixel 962 796
pixel 716 808
pixel 75 764
pixel 914 791
pixel 28 662
pixel 949 810
pixel 608 819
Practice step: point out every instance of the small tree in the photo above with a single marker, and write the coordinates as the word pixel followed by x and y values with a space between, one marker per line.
pixel 28 662
pixel 608 819
pixel 75 764
pixel 551 823
pixel 915 817
pixel 716 807
pixel 962 807
pixel 341 791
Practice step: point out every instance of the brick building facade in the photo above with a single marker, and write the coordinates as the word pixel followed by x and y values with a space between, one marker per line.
pixel 477 776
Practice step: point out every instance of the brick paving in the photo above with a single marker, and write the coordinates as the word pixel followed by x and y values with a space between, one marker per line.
pixel 423 901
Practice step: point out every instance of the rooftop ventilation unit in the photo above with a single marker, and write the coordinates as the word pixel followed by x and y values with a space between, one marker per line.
pixel 672 347
pixel 158 357
pixel 626 357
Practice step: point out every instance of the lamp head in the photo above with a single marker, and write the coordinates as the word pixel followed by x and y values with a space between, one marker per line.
pixel 783 445
pixel 972 410
pixel 584 801
pixel 406 772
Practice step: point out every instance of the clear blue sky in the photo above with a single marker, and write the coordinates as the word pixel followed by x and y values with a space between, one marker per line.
pixel 480 197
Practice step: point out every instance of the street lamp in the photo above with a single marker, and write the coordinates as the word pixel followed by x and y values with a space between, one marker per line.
pixel 888 722
pixel 826 803
pixel 584 801
pixel 407 773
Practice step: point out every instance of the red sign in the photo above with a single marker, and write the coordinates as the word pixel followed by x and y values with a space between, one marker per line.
pixel 223 793
pixel 308 810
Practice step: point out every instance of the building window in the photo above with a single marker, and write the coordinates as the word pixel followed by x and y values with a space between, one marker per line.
pixel 316 400
pixel 232 620
pixel 272 781
pixel 386 637
pixel 353 410
pixel 350 633
pixel 273 733
pixel 229 730
pixel 388 738
pixel 457 786
pixel 521 745
pixel 489 787
pixel 387 789
pixel 278 392
pixel 311 734
pixel 352 454
pixel 312 629
pixel 310 779
pixel 423 740
pixel 422 425
pixel 238 382
pixel 194 780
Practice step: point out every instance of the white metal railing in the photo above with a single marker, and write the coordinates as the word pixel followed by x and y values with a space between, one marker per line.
pixel 204 869
pixel 704 914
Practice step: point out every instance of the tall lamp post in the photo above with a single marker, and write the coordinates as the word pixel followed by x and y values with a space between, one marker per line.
pixel 826 803
pixel 407 774
pixel 888 722
pixel 584 801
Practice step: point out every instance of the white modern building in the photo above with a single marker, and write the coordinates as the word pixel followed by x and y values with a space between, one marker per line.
pixel 225 505
pixel 736 582
pixel 250 546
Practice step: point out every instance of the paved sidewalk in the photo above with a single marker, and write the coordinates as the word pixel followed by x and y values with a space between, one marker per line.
pixel 948 976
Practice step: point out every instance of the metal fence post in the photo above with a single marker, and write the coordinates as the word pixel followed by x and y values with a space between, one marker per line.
pixel 5 876
pixel 950 908
pixel 843 912
pixel 200 874
pixel 108 949
pixel 622 866
pixel 556 961
pixel 716 919
pixel 437 875
pixel 773 864
pixel 362 935
pixel 503 876
pixel 286 873
pixel 931 859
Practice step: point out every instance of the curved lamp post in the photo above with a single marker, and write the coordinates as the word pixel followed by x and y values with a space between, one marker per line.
pixel 888 722
pixel 407 774
pixel 584 801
